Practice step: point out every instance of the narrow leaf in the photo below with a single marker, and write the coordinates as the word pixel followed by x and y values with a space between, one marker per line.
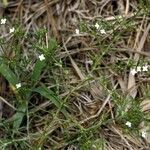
pixel 37 70
pixel 8 74
pixel 47 93
pixel 18 116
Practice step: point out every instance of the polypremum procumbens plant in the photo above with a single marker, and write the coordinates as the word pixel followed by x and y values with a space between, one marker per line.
pixel 98 28
pixel 128 112
pixel 22 67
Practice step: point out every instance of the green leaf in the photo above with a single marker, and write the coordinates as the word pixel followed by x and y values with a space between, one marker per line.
pixel 8 74
pixel 37 70
pixel 18 116
pixel 13 80
pixel 52 44
pixel 47 93
pixel 21 108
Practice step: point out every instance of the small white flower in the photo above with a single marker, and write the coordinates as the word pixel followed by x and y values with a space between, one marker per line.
pixel 138 69
pixel 18 85
pixel 120 17
pixel 41 57
pixel 3 21
pixel 128 124
pixel 133 72
pixel 97 26
pixel 11 30
pixel 77 31
pixel 145 68
pixel 102 31
pixel 143 134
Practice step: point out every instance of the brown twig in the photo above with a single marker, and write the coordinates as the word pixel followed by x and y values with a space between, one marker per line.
pixel 51 20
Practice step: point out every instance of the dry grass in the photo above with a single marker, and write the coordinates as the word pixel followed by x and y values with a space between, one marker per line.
pixel 91 77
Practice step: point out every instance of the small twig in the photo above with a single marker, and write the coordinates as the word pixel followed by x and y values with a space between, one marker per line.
pixel 52 20
pixel 118 132
pixel 2 99
pixel 78 71
pixel 121 7
pixel 142 41
pixel 127 7
pixel 100 110
pixel 19 5
pixel 133 51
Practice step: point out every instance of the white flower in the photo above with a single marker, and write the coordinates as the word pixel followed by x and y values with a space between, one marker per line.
pixel 128 124
pixel 143 134
pixel 133 72
pixel 18 85
pixel 77 31
pixel 3 21
pixel 41 57
pixel 145 68
pixel 138 69
pixel 97 26
pixel 11 30
pixel 102 31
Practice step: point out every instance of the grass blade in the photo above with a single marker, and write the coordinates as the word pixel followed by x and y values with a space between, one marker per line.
pixel 47 93
pixel 37 70
pixel 18 116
